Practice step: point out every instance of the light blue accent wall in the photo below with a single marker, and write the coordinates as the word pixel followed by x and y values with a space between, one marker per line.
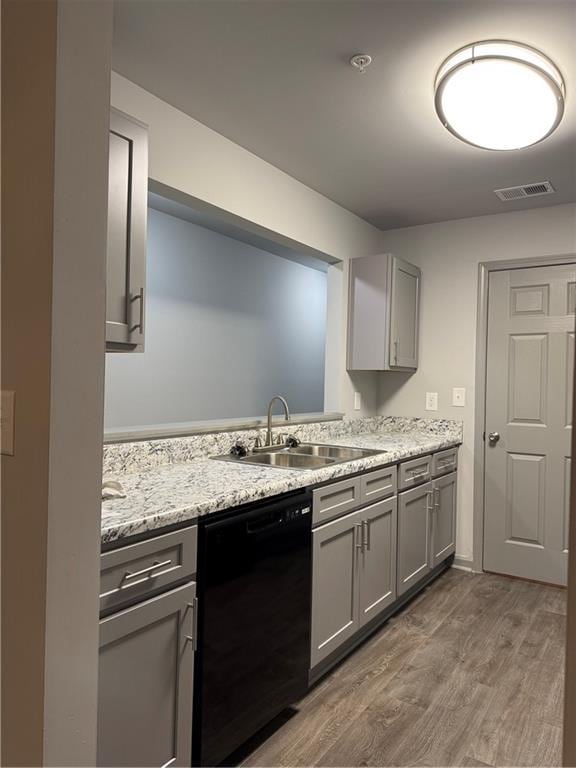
pixel 227 326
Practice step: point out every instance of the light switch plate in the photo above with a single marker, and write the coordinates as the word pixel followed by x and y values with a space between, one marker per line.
pixel 431 401
pixel 7 422
pixel 357 401
pixel 459 397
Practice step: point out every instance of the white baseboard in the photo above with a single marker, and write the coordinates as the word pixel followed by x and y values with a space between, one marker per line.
pixel 463 563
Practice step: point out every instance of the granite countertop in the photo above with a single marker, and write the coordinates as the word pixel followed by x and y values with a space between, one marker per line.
pixel 168 494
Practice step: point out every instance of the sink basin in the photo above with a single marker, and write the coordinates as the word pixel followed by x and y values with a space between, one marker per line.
pixel 303 456
pixel 288 459
pixel 340 452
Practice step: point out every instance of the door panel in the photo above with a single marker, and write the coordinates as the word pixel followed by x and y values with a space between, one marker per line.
pixel 444 518
pixel 378 559
pixel 145 681
pixel 525 497
pixel 335 615
pixel 413 536
pixel 528 402
pixel 126 247
pixel 404 315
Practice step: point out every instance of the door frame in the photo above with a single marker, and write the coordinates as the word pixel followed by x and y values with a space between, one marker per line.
pixel 484 270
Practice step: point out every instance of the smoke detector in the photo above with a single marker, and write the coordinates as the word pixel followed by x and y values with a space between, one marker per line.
pixel 361 62
pixel 536 189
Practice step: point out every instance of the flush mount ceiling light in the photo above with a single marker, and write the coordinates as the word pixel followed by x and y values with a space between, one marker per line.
pixel 500 95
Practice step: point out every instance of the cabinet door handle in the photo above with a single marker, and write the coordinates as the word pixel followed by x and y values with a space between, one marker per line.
pixel 193 637
pixel 436 498
pixel 149 571
pixel 140 324
pixel 396 352
pixel 429 501
pixel 358 535
pixel 366 527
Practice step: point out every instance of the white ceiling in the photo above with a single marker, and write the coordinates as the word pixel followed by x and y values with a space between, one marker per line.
pixel 273 76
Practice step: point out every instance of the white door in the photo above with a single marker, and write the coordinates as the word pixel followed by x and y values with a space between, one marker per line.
pixel 528 421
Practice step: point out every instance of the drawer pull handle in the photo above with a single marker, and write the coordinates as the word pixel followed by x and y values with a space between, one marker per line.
pixel 146 571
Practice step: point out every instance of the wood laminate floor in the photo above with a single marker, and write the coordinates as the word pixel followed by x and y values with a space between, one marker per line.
pixel 469 674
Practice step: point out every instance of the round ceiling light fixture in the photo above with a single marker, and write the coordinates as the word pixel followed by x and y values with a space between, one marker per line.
pixel 500 95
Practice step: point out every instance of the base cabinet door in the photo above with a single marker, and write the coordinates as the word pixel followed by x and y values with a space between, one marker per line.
pixel 443 538
pixel 335 584
pixel 378 559
pixel 146 682
pixel 414 508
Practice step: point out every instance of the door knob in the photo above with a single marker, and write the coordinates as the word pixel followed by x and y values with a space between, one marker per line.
pixel 493 438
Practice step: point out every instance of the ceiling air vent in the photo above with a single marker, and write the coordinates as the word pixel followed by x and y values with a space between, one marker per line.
pixel 526 190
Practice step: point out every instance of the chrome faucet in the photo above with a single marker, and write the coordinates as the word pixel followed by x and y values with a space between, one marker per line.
pixel 269 440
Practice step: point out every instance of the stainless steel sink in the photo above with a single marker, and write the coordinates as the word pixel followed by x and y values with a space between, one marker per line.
pixel 340 452
pixel 287 458
pixel 303 456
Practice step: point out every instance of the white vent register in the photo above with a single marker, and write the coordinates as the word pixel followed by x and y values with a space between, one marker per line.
pixel 526 190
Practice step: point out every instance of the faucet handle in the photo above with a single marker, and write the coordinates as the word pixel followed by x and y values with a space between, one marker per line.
pixel 239 449
pixel 281 439
pixel 258 441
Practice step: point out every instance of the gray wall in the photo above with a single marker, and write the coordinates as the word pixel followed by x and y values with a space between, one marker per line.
pixel 448 254
pixel 228 326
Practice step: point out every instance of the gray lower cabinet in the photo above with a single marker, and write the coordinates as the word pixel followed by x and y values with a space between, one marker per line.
pixel 146 682
pixel 354 574
pixel 443 538
pixel 378 559
pixel 414 509
pixel 126 248
pixel 335 613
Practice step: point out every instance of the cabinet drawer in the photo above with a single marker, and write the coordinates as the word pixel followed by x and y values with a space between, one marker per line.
pixel 379 484
pixel 414 472
pixel 135 571
pixel 333 500
pixel 444 462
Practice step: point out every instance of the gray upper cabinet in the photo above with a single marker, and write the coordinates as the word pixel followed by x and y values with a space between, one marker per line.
pixel 443 539
pixel 383 320
pixel 414 509
pixel 126 249
pixel 145 682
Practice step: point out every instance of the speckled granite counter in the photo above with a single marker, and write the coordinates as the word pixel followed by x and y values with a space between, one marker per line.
pixel 173 481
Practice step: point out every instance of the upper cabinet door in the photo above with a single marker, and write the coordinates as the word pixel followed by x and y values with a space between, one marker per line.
pixel 383 315
pixel 126 253
pixel 404 314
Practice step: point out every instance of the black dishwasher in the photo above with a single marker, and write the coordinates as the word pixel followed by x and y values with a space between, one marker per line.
pixel 254 585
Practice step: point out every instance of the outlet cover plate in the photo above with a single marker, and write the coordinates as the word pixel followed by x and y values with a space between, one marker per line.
pixel 459 397
pixel 357 401
pixel 431 401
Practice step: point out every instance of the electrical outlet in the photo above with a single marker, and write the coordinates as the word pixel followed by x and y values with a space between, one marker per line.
pixel 357 401
pixel 7 422
pixel 459 397
pixel 431 401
